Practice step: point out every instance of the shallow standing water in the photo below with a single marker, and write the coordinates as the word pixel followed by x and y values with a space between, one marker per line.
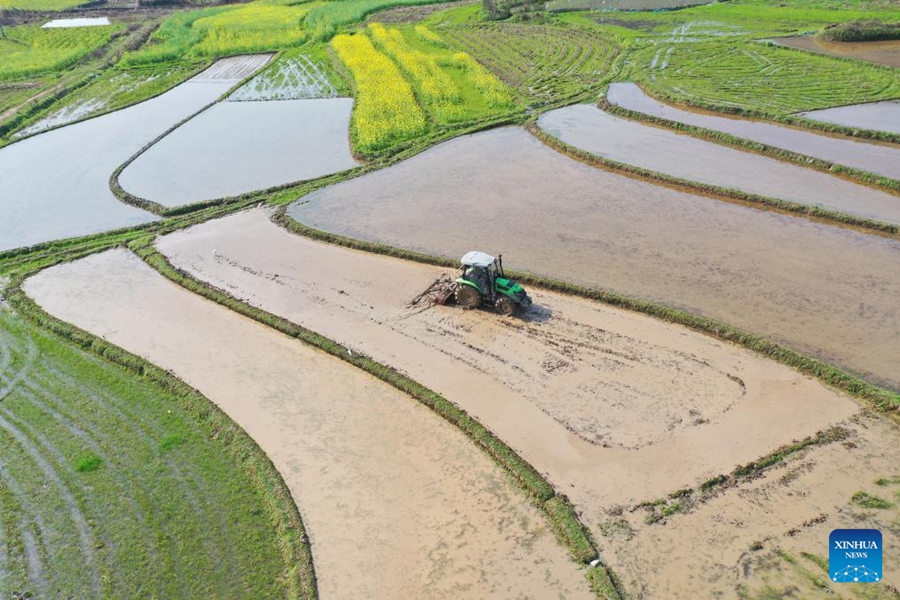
pixel 680 155
pixel 238 147
pixel 875 158
pixel 883 52
pixel 817 288
pixel 397 502
pixel 56 185
pixel 884 116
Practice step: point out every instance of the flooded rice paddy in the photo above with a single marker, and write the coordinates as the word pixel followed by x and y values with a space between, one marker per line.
pixel 291 78
pixel 56 184
pixel 817 288
pixel 587 393
pixel 884 52
pixel 875 158
pixel 881 116
pixel 238 147
pixel 397 503
pixel 591 129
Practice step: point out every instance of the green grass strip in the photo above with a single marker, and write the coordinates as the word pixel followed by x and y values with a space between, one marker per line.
pixel 796 208
pixel 726 139
pixel 276 501
pixel 880 399
pixel 560 514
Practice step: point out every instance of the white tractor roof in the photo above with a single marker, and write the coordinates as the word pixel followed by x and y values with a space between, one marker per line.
pixel 477 259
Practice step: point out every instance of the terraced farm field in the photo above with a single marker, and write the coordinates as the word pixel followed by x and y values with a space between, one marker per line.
pixel 30 50
pixel 543 63
pixel 787 278
pixel 863 155
pixel 385 485
pixel 877 116
pixel 74 198
pixel 259 145
pixel 110 487
pixel 679 155
pixel 590 394
pixel 294 76
pixel 756 76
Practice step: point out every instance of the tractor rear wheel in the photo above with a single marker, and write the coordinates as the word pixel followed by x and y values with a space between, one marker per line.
pixel 468 297
pixel 506 307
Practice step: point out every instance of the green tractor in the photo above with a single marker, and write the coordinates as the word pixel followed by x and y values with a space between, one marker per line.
pixel 482 283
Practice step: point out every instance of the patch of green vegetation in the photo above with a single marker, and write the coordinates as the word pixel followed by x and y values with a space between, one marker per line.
pixel 766 78
pixel 30 50
pixel 861 31
pixel 867 500
pixel 885 481
pixel 170 442
pixel 616 528
pixel 43 5
pixel 143 523
pixel 88 463
pixel 326 18
pixel 545 63
pixel 816 560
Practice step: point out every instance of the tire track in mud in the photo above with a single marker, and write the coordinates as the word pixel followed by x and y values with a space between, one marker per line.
pixel 32 548
pixel 128 491
pixel 9 381
pixel 86 540
pixel 193 492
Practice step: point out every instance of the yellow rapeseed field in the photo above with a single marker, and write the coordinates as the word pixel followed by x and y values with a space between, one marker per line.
pixel 436 89
pixel 386 110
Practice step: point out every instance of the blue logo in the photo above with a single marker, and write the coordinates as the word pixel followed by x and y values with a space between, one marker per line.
pixel 854 555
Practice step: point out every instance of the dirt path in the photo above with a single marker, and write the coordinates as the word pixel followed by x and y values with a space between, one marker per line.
pixel 875 158
pixel 615 407
pixel 680 155
pixel 397 502
pixel 817 288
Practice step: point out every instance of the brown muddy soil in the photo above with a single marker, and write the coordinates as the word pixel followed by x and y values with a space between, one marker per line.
pixel 397 502
pixel 867 156
pixel 413 14
pixel 616 408
pixel 817 288
pixel 885 52
pixel 680 155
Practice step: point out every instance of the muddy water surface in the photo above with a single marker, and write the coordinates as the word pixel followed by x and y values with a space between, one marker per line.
pixel 875 158
pixel 566 385
pixel 884 52
pixel 56 184
pixel 238 147
pixel 397 503
pixel 664 151
pixel 817 288
pixel 884 116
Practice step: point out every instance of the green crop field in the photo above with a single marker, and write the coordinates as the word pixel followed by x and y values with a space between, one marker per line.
pixel 40 4
pixel 749 74
pixel 545 63
pixel 29 50
pixel 108 488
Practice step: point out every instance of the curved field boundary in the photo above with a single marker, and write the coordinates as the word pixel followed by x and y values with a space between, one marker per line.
pixel 876 397
pixel 277 503
pixel 727 194
pixel 406 151
pixel 561 516
pixel 726 139
pixel 881 136
pixel 36 111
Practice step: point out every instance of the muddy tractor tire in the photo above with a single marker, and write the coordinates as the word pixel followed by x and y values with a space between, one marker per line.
pixel 506 307
pixel 468 297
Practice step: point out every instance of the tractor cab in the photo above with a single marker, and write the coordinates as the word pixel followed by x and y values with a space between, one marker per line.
pixel 482 281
